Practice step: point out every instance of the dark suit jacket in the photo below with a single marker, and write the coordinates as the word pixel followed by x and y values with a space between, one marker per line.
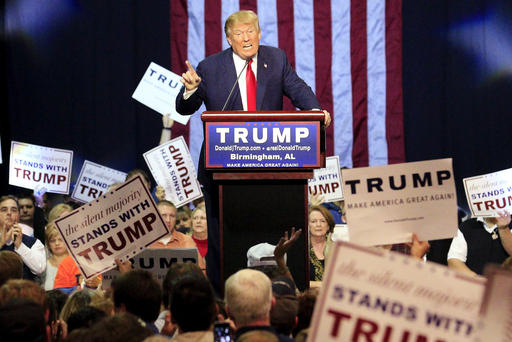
pixel 275 78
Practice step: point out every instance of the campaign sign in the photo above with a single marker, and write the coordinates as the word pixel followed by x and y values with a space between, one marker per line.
pixel 94 180
pixel 487 194
pixel 372 295
pixel 33 166
pixel 288 144
pixel 496 311
pixel 158 90
pixel 326 182
pixel 120 224
pixel 155 260
pixel 172 167
pixel 387 204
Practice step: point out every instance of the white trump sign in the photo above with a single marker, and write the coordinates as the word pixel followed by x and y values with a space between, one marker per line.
pixel 172 167
pixel 490 193
pixel 326 182
pixel 94 180
pixel 33 166
pixel 387 204
pixel 158 90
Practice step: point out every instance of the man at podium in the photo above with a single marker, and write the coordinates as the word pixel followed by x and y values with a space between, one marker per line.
pixel 246 77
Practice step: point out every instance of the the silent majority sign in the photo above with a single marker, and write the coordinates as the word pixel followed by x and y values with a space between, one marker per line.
pixel 120 224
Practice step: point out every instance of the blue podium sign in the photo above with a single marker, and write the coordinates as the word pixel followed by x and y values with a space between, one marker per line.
pixel 272 144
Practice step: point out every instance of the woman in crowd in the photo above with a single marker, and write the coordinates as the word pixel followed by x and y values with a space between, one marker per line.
pixel 55 252
pixel 200 230
pixel 59 210
pixel 321 225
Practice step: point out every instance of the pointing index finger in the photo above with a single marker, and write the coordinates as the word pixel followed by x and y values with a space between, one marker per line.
pixel 190 68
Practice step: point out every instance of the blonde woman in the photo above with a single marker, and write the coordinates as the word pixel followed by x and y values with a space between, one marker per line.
pixel 59 210
pixel 55 251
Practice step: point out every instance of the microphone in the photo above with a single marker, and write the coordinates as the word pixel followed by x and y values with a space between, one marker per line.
pixel 232 88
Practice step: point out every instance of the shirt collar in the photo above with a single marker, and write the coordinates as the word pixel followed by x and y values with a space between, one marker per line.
pixel 487 228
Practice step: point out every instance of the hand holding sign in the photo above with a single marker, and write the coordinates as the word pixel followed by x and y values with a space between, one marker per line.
pixel 190 78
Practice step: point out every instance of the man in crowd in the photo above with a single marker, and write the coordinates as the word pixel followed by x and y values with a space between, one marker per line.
pixel 193 309
pixel 138 293
pixel 31 215
pixel 267 78
pixel 249 299
pixel 174 239
pixel 12 238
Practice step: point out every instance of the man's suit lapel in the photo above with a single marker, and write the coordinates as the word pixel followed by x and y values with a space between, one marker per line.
pixel 262 77
pixel 235 103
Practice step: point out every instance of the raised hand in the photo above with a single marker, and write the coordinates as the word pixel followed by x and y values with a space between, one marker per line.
pixel 190 78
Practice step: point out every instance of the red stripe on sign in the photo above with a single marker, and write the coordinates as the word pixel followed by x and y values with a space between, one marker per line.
pixel 323 59
pixel 249 5
pixel 359 63
pixel 285 34
pixel 394 96
pixel 213 32
pixel 179 36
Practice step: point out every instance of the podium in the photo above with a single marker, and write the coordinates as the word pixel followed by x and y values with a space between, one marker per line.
pixel 260 163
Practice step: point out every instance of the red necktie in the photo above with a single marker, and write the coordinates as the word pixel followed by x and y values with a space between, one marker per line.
pixel 250 81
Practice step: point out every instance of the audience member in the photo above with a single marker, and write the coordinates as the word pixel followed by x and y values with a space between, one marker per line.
pixel 307 301
pixel 59 210
pixel 248 295
pixel 50 200
pixel 29 248
pixel 84 317
pixel 11 266
pixel 22 288
pixel 69 278
pixel 22 320
pixel 321 225
pixel 184 220
pixel 31 214
pixel 124 327
pixel 138 293
pixel 55 252
pixel 258 336
pixel 193 309
pixel 200 230
pixel 283 316
pixel 158 193
pixel 480 241
pixel 174 239
pixel 176 272
pixel 77 300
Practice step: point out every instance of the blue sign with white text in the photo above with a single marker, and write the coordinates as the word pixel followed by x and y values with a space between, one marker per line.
pixel 288 144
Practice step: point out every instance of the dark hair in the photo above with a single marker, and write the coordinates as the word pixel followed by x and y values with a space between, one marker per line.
pixel 22 320
pixel 307 301
pixel 26 195
pixel 193 304
pixel 56 300
pixel 283 314
pixel 11 266
pixel 85 317
pixel 177 271
pixel 119 328
pixel 139 292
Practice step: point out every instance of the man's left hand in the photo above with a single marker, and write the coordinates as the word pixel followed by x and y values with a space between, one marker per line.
pixel 327 118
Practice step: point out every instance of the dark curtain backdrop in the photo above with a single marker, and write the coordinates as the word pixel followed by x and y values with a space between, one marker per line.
pixel 69 69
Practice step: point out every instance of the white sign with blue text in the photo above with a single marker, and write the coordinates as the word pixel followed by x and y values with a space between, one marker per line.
pixel 158 90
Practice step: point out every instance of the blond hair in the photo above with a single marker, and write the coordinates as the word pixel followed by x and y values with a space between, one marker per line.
pixel 58 210
pixel 248 296
pixel 241 17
